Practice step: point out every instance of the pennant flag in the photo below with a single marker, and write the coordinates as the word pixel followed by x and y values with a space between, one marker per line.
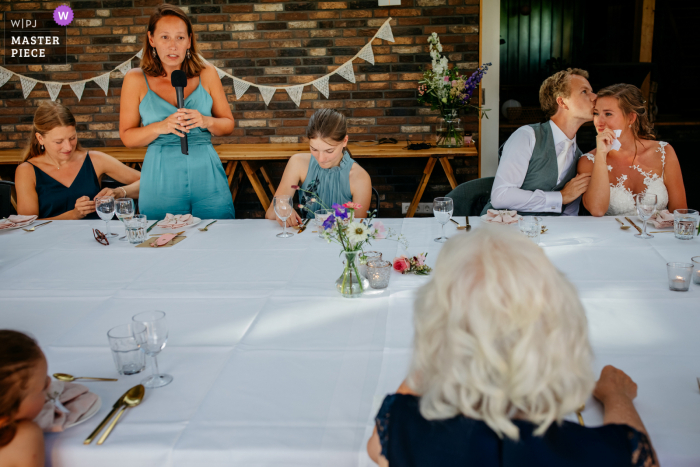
pixel 385 33
pixel 78 88
pixel 103 82
pixel 139 54
pixel 27 85
pixel 366 54
pixel 267 93
pixel 54 89
pixel 5 75
pixel 221 73
pixel 295 94
pixel 347 72
pixel 125 67
pixel 322 85
pixel 240 87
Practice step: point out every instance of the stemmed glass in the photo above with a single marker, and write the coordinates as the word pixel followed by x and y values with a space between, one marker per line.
pixel 283 209
pixel 104 205
pixel 151 337
pixel 124 208
pixel 442 209
pixel 646 205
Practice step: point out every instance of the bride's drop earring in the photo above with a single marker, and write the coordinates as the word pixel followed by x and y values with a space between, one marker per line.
pixel 42 148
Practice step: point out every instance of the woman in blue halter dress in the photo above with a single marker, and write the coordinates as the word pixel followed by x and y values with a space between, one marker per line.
pixel 172 182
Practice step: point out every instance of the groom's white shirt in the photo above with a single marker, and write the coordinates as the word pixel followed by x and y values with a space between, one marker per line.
pixel 506 192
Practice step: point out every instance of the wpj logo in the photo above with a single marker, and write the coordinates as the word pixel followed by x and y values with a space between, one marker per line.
pixel 63 15
pixel 37 41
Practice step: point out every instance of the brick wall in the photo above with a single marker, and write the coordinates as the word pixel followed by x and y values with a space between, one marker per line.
pixel 274 43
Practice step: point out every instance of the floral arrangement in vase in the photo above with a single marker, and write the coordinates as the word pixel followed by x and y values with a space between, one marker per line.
pixel 412 265
pixel 448 91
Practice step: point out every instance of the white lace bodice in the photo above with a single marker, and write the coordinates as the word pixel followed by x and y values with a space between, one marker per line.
pixel 622 198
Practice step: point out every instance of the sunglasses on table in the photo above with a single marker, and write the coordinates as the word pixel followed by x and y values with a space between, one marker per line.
pixel 100 237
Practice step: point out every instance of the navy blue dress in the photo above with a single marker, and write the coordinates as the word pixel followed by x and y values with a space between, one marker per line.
pixel 55 198
pixel 408 439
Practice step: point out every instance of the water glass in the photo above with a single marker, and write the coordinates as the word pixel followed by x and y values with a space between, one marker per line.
pixel 679 276
pixel 646 205
pixel 685 223
pixel 379 273
pixel 531 227
pixel 136 229
pixel 442 209
pixel 283 209
pixel 124 207
pixel 151 338
pixel 127 356
pixel 696 269
pixel 104 205
pixel 320 217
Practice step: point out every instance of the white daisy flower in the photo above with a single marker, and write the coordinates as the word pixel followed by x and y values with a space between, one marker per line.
pixel 357 232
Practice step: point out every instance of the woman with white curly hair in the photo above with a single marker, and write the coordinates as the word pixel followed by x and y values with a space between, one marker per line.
pixel 501 355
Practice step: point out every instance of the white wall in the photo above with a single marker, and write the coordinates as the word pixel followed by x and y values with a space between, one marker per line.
pixel 490 52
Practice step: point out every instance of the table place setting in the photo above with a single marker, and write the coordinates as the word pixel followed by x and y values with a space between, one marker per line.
pixel 16 222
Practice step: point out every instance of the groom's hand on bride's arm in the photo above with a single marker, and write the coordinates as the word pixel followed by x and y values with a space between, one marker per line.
pixel 575 188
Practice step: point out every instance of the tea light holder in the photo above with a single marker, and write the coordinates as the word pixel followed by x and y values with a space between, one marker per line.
pixel 679 276
pixel 365 257
pixel 696 269
pixel 378 273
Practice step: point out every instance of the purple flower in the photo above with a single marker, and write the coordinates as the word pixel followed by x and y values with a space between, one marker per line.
pixel 340 212
pixel 328 223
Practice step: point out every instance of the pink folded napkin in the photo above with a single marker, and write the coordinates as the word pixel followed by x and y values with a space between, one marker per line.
pixel 65 404
pixel 163 239
pixel 502 216
pixel 176 221
pixel 16 221
pixel 662 219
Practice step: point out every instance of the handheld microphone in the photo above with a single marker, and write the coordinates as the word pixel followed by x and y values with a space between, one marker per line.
pixel 178 79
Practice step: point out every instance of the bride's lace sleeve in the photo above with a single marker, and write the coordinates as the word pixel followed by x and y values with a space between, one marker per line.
pixel 642 454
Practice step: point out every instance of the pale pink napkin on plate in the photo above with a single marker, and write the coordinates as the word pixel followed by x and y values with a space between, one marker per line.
pixel 175 221
pixel 62 396
pixel 502 216
pixel 16 221
pixel 662 219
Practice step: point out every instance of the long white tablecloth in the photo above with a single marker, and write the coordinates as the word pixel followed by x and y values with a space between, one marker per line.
pixel 273 367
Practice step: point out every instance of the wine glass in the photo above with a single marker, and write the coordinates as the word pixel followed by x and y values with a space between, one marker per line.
pixel 104 205
pixel 151 337
pixel 646 205
pixel 124 207
pixel 283 209
pixel 442 209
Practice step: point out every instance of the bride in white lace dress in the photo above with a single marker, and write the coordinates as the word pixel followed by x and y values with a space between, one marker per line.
pixel 640 165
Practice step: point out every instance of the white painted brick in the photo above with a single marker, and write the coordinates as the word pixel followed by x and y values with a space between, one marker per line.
pixel 268 7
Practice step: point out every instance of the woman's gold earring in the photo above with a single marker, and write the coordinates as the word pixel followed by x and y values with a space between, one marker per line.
pixel 153 52
pixel 187 54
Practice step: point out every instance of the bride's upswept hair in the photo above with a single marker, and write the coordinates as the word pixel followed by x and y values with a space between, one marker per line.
pixel 499 331
pixel 631 101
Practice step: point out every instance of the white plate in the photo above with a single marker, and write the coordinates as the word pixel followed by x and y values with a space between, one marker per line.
pixel 18 226
pixel 195 221
pixel 89 414
pixel 485 218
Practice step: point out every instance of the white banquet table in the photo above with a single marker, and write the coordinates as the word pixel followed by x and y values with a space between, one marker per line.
pixel 273 367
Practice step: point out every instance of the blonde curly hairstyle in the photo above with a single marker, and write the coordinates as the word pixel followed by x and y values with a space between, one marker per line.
pixel 557 85
pixel 499 331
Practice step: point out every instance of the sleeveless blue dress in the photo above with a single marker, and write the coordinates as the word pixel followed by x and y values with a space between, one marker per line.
pixel 175 183
pixel 331 185
pixel 55 198
pixel 408 439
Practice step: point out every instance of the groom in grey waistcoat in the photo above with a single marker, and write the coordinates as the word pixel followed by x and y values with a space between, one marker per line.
pixel 537 165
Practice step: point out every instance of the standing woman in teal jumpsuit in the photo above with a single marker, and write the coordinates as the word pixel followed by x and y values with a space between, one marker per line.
pixel 172 182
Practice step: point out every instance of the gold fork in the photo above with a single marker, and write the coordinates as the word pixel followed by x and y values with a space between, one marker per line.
pixel 206 228
pixel 38 225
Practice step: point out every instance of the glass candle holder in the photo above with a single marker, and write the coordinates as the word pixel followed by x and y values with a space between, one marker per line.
pixel 364 258
pixel 696 269
pixel 136 229
pixel 378 273
pixel 679 276
pixel 685 223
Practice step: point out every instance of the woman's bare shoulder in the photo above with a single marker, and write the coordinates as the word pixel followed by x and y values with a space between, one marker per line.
pixel 26 448
pixel 301 158
pixel 357 172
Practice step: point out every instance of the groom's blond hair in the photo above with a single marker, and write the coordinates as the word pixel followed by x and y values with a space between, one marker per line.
pixel 557 85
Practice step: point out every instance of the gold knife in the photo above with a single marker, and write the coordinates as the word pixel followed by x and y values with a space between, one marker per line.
pixel 152 225
pixel 303 227
pixel 633 224
pixel 115 407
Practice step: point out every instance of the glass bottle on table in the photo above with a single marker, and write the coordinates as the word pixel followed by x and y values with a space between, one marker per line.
pixel 124 207
pixel 442 209
pixel 104 205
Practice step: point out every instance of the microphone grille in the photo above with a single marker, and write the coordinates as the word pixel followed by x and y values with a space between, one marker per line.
pixel 178 79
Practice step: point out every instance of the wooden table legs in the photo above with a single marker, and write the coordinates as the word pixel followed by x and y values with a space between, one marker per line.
pixel 255 181
pixel 426 177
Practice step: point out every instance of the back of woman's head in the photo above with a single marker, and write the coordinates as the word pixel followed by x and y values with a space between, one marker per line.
pixel 328 125
pixel 499 330
pixel 48 116
pixel 19 354
pixel 631 101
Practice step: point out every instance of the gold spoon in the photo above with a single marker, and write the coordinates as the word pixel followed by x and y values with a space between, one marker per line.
pixel 67 377
pixel 34 228
pixel 206 227
pixel 460 227
pixel 578 414
pixel 132 398
pixel 622 226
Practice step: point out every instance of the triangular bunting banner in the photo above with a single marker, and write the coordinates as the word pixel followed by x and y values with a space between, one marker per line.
pixel 322 85
pixel 347 72
pixel 5 75
pixel 54 89
pixel 139 54
pixel 240 87
pixel 27 85
pixel 267 93
pixel 366 54
pixel 103 82
pixel 221 73
pixel 295 94
pixel 78 88
pixel 385 33
pixel 125 67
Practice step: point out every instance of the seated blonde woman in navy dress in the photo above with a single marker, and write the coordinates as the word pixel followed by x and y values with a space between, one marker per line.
pixel 328 170
pixel 501 356
pixel 59 179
